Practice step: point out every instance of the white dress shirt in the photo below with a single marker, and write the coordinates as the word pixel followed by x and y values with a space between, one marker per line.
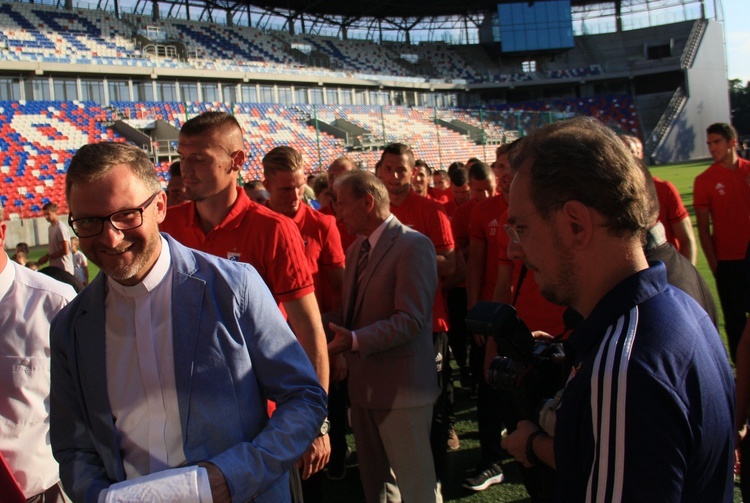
pixel 28 301
pixel 140 370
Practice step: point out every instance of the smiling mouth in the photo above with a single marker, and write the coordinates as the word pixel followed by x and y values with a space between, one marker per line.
pixel 117 251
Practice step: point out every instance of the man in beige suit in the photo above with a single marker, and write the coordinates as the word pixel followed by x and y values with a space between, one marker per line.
pixel 385 332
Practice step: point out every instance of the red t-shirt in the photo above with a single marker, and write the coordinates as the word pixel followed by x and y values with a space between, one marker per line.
pixel 537 312
pixel 346 238
pixel 323 251
pixel 441 196
pixel 671 209
pixel 485 226
pixel 253 234
pixel 428 217
pixel 460 223
pixel 725 193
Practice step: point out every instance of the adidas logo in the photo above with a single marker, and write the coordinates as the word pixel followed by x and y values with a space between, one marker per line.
pixel 719 186
pixel 493 223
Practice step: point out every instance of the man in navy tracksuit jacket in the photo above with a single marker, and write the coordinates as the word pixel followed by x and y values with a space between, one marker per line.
pixel 648 411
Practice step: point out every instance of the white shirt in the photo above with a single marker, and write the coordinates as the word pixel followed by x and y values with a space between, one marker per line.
pixel 373 238
pixel 28 301
pixel 79 262
pixel 57 233
pixel 140 370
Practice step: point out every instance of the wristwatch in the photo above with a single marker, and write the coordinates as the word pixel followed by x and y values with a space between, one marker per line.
pixel 324 428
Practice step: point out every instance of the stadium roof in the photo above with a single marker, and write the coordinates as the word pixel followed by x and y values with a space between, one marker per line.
pixel 382 9
pixel 370 19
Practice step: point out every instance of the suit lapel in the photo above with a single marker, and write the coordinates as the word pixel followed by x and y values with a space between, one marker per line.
pixel 376 255
pixel 187 298
pixel 90 337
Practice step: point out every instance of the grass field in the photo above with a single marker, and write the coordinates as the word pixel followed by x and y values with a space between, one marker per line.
pixel 462 462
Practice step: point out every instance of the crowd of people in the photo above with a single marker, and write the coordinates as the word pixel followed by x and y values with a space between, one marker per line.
pixel 235 334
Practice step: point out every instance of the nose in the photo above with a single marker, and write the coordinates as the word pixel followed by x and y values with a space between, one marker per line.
pixel 515 250
pixel 110 235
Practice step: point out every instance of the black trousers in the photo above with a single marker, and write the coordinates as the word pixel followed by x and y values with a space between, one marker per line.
pixel 732 285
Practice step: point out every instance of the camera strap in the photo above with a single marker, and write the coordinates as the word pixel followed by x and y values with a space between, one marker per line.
pixel 521 276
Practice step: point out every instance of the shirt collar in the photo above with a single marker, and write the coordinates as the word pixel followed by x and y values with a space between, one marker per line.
pixel 154 277
pixel 233 218
pixel 374 236
pixel 630 292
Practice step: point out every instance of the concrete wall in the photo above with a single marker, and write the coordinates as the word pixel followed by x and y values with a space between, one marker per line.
pixel 32 231
pixel 708 100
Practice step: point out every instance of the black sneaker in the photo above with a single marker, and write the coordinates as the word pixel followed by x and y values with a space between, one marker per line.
pixel 490 476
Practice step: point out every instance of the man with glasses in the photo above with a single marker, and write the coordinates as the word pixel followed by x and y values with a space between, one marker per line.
pixel 163 365
pixel 647 413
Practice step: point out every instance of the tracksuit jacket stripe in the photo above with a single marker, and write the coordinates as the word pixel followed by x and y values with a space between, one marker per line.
pixel 608 399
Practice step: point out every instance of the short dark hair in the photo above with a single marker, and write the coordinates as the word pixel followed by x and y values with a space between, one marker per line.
pixel 50 207
pixel 207 121
pixel 723 129
pixel 174 169
pixel 419 163
pixel 581 159
pixel 454 166
pixel 93 161
pixel 480 172
pixel 24 247
pixel 459 176
pixel 254 185
pixel 319 183
pixel 400 149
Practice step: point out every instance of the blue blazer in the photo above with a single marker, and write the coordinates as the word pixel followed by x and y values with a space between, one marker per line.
pixel 233 351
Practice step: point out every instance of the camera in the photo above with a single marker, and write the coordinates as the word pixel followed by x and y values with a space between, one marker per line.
pixel 527 368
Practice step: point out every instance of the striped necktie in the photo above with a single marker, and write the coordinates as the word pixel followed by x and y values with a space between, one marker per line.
pixel 364 255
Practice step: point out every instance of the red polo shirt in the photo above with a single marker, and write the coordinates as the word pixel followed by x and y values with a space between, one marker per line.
pixel 253 234
pixel 428 217
pixel 323 251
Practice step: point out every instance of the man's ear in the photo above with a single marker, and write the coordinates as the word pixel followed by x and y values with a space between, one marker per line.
pixel 577 221
pixel 238 160
pixel 161 206
pixel 369 202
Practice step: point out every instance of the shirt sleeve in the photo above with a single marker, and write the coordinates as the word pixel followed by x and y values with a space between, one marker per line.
pixel 331 252
pixel 675 209
pixel 701 196
pixel 287 273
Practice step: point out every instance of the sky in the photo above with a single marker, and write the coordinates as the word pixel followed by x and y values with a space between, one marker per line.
pixel 737 32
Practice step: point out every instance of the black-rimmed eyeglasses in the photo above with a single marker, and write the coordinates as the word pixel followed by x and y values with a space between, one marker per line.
pixel 123 220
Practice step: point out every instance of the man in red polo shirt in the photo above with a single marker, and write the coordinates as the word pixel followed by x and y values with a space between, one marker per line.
pixel 429 218
pixel 285 182
pixel 221 220
pixel 721 197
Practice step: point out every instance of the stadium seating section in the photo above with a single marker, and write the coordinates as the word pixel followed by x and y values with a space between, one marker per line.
pixel 41 33
pixel 37 139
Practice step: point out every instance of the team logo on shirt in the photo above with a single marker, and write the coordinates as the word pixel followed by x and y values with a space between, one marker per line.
pixel 719 188
pixel 493 225
pixel 233 256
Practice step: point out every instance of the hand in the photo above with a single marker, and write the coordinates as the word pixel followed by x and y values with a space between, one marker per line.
pixel 539 335
pixel 342 340
pixel 337 368
pixel 515 443
pixel 316 457
pixel 219 487
pixel 43 259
